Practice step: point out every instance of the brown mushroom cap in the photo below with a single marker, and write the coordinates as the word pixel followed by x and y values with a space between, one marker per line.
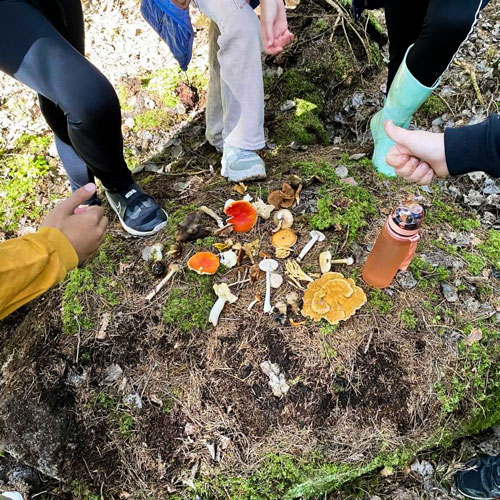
pixel 275 198
pixel 204 263
pixel 333 298
pixel 284 238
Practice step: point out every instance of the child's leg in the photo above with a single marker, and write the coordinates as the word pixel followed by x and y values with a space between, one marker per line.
pixel 214 111
pixel 447 25
pixel 239 57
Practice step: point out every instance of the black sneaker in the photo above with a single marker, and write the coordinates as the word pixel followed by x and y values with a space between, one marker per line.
pixel 139 213
pixel 480 478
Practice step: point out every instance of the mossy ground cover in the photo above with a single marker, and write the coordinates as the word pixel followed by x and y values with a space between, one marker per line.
pixel 398 377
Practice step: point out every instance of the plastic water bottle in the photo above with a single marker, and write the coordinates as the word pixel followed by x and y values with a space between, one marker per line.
pixel 395 245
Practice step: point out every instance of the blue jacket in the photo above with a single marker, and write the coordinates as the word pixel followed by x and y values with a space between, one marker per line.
pixel 174 26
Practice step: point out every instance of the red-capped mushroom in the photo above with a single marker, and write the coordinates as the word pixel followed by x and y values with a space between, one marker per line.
pixel 242 215
pixel 204 263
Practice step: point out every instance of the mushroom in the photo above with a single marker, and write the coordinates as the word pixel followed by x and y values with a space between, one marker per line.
pixel 268 266
pixel 325 261
pixel 229 258
pixel 332 297
pixel 288 195
pixel 276 280
pixel 204 263
pixel 224 295
pixel 282 252
pixel 275 198
pixel 284 238
pixel 282 308
pixel 292 299
pixel 192 228
pixel 263 209
pixel 295 271
pixel 315 236
pixel 175 250
pixel 211 213
pixel 172 269
pixel 243 215
pixel 349 261
pixel 254 301
pixel 283 219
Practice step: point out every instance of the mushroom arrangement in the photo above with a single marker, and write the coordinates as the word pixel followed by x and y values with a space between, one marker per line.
pixel 333 298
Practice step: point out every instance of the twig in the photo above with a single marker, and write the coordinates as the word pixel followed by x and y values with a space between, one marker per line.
pixel 471 71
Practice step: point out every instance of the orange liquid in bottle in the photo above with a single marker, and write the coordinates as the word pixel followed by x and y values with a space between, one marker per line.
pixel 395 246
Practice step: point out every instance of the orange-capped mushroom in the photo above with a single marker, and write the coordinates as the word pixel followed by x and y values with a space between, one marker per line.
pixel 242 215
pixel 284 238
pixel 332 297
pixel 204 263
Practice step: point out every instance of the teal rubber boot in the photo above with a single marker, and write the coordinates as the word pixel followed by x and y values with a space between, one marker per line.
pixel 405 96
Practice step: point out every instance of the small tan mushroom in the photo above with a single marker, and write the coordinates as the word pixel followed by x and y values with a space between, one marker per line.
pixel 224 295
pixel 292 300
pixel 282 307
pixel 283 219
pixel 263 209
pixel 276 280
pixel 282 252
pixel 285 238
pixel 325 261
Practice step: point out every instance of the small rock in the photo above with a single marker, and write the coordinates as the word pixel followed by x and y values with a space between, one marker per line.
pixel 350 180
pixel 153 167
pixel 342 171
pixel 490 187
pixel 449 292
pixel 463 240
pixel 138 169
pixel 422 468
pixel 437 122
pixel 493 200
pixel 489 218
pixel 77 379
pixel 176 152
pixel 407 280
pixel 133 400
pixel 113 373
pixel 180 109
pixel 474 198
pixel 287 106
pixel 357 156
pixel 130 122
pixel 477 176
pixel 472 305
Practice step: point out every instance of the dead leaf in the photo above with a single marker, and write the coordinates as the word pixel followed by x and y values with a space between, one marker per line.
pixel 350 180
pixel 122 267
pixel 297 323
pixel 101 334
pixel 255 274
pixel 475 336
pixel 240 188
pixel 386 472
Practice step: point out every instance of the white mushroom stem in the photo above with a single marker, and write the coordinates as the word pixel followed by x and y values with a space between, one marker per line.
pixel 250 306
pixel 268 266
pixel 224 295
pixel 211 213
pixel 315 236
pixel 349 261
pixel 173 269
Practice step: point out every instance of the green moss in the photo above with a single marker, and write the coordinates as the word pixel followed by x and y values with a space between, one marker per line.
pixel 441 213
pixel 20 172
pixel 380 301
pixel 188 309
pixel 297 84
pixel 319 26
pixel 80 491
pixel 153 119
pixel 432 107
pixel 491 248
pixel 125 425
pixel 98 276
pixel 409 319
pixel 475 262
pixel 427 275
pixel 351 214
pixel 305 127
pixel 102 400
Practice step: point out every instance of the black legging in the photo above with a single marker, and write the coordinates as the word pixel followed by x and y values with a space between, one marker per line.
pixel 42 45
pixel 436 27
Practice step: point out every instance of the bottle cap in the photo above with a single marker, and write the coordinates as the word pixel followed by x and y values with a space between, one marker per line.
pixel 408 215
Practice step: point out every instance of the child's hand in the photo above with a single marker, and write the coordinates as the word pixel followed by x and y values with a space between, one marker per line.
pixel 417 156
pixel 183 4
pixel 274 26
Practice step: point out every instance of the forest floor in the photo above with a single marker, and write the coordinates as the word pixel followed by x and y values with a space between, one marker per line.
pixel 109 395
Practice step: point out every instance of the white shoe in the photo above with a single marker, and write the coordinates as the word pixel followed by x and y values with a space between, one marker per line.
pixel 242 165
pixel 13 495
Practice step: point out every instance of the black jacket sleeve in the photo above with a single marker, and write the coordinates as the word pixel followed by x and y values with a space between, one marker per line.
pixel 474 148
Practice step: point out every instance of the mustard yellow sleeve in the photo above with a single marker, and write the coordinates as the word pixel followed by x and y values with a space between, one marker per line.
pixel 30 265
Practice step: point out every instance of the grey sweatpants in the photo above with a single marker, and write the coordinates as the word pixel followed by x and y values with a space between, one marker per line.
pixel 235 103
